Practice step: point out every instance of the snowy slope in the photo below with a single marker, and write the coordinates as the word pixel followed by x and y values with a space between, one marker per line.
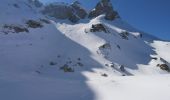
pixel 59 60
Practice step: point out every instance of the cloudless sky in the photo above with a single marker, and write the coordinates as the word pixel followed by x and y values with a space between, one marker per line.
pixel 150 16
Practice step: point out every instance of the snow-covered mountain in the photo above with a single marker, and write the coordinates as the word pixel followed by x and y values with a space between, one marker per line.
pixel 68 54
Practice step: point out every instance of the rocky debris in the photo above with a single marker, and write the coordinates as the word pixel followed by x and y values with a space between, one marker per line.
pixel 105 46
pixel 164 67
pixel 52 63
pixel 104 50
pixel 14 29
pixel 104 7
pixel 66 68
pixel 34 24
pixel 80 64
pixel 124 35
pixel 98 28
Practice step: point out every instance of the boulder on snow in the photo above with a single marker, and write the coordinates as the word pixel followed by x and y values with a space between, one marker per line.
pixel 104 7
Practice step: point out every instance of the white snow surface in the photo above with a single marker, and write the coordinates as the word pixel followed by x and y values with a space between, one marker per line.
pixel 30 62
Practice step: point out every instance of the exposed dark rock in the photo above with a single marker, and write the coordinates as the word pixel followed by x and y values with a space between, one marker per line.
pixel 73 12
pixel 163 60
pixel 79 59
pixel 104 7
pixel 104 75
pixel 107 65
pixel 53 63
pixel 66 68
pixel 154 58
pixel 80 64
pixel 15 28
pixel 111 15
pixel 112 65
pixel 164 67
pixel 122 68
pixel 98 28
pixel 118 46
pixel 34 24
pixel 58 10
pixel 80 12
pixel 124 35
pixel 74 18
pixel 105 46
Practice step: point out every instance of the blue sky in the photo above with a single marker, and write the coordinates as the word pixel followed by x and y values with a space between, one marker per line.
pixel 151 16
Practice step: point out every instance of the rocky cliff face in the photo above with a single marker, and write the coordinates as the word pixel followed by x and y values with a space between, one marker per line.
pixel 75 11
pixel 104 7
pixel 79 11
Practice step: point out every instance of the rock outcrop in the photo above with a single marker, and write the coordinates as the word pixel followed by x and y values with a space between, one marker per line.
pixel 104 7
pixel 73 12
pixel 79 11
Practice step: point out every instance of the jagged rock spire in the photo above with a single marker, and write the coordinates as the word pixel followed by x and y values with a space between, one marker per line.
pixel 104 7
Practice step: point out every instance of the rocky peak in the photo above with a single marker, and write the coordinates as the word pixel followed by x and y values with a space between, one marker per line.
pixel 79 10
pixel 104 7
pixel 73 12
